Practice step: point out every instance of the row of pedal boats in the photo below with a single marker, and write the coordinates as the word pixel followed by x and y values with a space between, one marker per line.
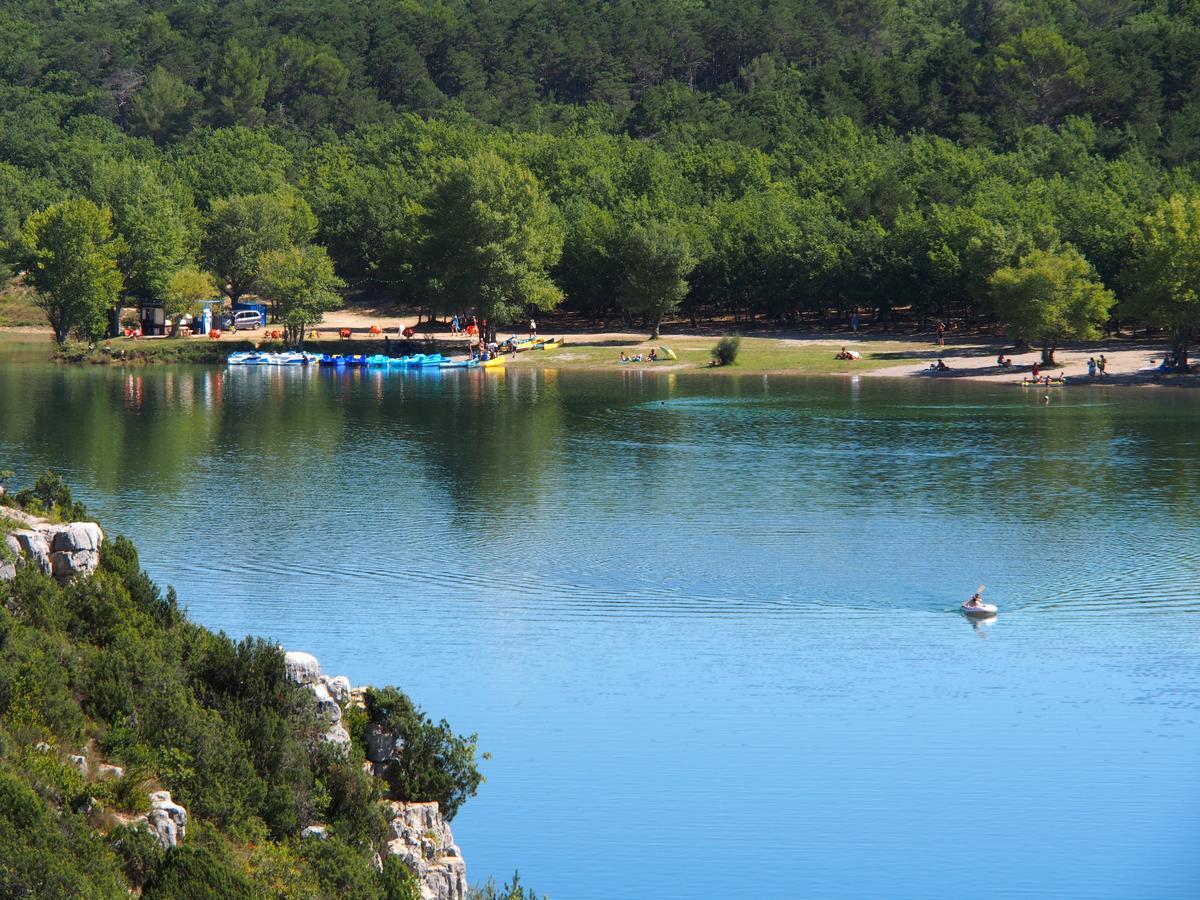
pixel 301 358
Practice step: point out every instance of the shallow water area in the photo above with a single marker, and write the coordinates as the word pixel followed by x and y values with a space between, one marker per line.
pixel 707 627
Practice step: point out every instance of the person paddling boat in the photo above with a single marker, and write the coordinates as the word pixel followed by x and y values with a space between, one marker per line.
pixel 976 607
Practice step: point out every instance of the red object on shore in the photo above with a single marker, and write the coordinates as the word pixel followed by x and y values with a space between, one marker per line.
pixel 215 334
pixel 345 333
pixel 409 331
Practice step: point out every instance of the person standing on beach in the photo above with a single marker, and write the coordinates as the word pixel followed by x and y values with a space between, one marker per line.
pixel 454 329
pixel 532 328
pixel 1102 365
pixel 1091 369
pixel 941 334
pixel 854 322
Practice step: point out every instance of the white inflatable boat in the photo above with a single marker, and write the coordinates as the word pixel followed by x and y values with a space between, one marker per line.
pixel 978 609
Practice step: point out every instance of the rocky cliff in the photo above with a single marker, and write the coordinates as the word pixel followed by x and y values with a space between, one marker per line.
pixel 61 550
pixel 418 834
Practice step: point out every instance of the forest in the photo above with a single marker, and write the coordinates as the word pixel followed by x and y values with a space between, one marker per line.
pixel 1012 163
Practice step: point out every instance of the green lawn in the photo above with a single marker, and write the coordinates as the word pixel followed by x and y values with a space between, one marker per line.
pixel 756 355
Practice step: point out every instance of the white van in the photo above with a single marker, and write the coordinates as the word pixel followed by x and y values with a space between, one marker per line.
pixel 247 318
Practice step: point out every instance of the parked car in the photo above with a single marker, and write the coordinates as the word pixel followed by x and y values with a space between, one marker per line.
pixel 247 318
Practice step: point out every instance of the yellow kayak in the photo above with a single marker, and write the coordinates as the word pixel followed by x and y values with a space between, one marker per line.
pixel 549 345
pixel 494 361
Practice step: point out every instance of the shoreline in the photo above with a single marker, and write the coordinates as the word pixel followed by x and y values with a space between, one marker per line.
pixel 1129 362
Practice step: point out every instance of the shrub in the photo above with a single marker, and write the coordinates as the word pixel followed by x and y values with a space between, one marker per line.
pixel 397 882
pixel 726 350
pixel 196 873
pixel 436 764
pixel 511 891
pixel 50 496
pixel 139 851
pixel 342 870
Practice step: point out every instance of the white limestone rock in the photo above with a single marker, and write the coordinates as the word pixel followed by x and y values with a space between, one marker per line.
pixel 320 832
pixel 167 820
pixel 327 707
pixel 77 537
pixel 107 772
pixel 338 687
pixel 337 735
pixel 421 839
pixel 301 668
pixel 34 548
pixel 79 762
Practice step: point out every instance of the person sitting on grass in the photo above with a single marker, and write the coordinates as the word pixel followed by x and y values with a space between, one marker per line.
pixel 939 366
pixel 624 358
pixel 1004 362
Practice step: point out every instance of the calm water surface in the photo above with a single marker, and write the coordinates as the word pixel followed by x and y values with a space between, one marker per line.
pixel 705 625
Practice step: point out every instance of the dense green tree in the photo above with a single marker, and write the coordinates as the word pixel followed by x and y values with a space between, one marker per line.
pixel 492 237
pixel 237 87
pixel 184 290
pixel 302 284
pixel 1165 280
pixel 159 108
pixel 241 229
pixel 1051 296
pixel 655 260
pixel 69 254
pixel 157 223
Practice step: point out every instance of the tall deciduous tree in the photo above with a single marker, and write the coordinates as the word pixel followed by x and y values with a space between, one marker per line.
pixel 492 236
pixel 241 229
pixel 1051 296
pixel 656 260
pixel 69 253
pixel 157 222
pixel 302 282
pixel 184 290
pixel 1165 279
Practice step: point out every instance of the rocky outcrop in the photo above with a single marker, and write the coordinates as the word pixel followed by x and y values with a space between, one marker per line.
pixel 63 551
pixel 301 668
pixel 74 548
pixel 167 820
pixel 418 835
pixel 329 694
pixel 338 687
pixel 421 839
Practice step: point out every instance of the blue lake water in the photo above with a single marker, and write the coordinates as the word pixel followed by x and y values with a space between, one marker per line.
pixel 705 626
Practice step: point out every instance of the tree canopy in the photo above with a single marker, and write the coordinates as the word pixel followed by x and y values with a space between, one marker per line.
pixel 816 157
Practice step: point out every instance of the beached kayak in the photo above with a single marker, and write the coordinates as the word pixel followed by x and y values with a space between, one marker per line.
pixel 1053 382
pixel 494 361
pixel 983 609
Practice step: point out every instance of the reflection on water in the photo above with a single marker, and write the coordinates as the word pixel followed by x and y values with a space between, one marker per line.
pixel 701 619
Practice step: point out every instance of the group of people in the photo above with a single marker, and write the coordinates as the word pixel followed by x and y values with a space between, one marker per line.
pixel 1097 367
pixel 847 354
pixel 652 356
pixel 456 326
pixel 939 366
pixel 1004 362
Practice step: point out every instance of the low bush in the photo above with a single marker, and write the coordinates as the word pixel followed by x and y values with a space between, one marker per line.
pixel 726 350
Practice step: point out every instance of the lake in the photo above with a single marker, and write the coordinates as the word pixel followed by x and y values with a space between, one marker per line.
pixel 705 626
